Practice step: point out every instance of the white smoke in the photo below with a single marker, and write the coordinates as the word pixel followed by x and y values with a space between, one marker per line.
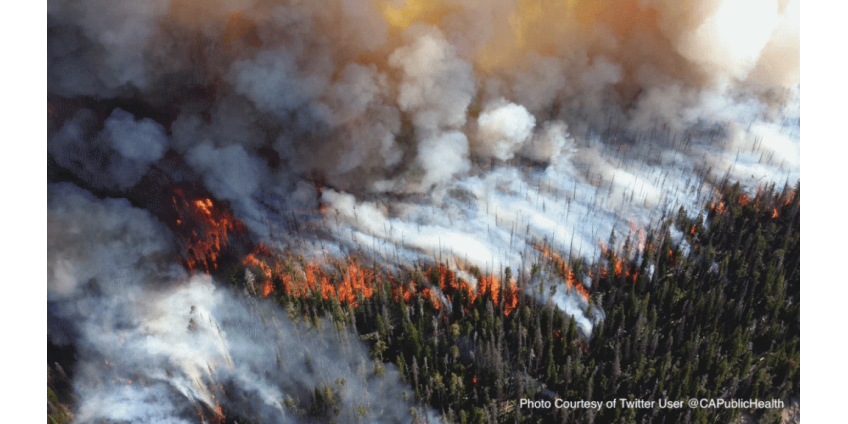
pixel 156 344
pixel 503 128
pixel 437 86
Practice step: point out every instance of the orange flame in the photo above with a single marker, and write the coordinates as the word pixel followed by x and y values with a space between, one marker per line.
pixel 719 209
pixel 220 418
pixel 774 213
pixel 510 298
pixel 489 286
pixel 790 196
pixel 566 274
pixel 267 288
pixel 207 230
pixel 302 279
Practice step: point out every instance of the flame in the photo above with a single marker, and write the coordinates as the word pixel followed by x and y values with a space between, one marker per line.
pixel 349 282
pixel 774 214
pixel 220 412
pixel 301 280
pixel 620 265
pixel 510 298
pixel 564 272
pixel 267 288
pixel 356 281
pixel 428 294
pixel 603 247
pixel 489 285
pixel 407 291
pixel 692 230
pixel 206 230
pixel 790 196
pixel 264 269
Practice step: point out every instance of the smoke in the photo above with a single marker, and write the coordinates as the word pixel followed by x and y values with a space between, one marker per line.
pixel 103 247
pixel 503 129
pixel 118 156
pixel 155 343
pixel 465 132
pixel 198 346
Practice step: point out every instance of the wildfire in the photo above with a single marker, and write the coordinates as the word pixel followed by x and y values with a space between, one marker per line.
pixel 564 272
pixel 267 288
pixel 220 413
pixel 790 196
pixel 299 278
pixel 640 235
pixel 206 230
pixel 620 266
pixel 489 286
pixel 774 214
pixel 510 298
pixel 717 208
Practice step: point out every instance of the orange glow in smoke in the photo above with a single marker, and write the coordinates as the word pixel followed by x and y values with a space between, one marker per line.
pixel 790 196
pixel 640 235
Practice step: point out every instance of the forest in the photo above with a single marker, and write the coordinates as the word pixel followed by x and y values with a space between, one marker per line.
pixel 704 307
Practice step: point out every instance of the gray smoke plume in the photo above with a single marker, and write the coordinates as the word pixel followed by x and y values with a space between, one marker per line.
pixel 116 157
pixel 156 344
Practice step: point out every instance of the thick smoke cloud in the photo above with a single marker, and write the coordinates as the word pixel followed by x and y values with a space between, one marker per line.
pixel 116 157
pixel 157 344
pixel 472 132
pixel 99 246
pixel 330 87
pixel 504 127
